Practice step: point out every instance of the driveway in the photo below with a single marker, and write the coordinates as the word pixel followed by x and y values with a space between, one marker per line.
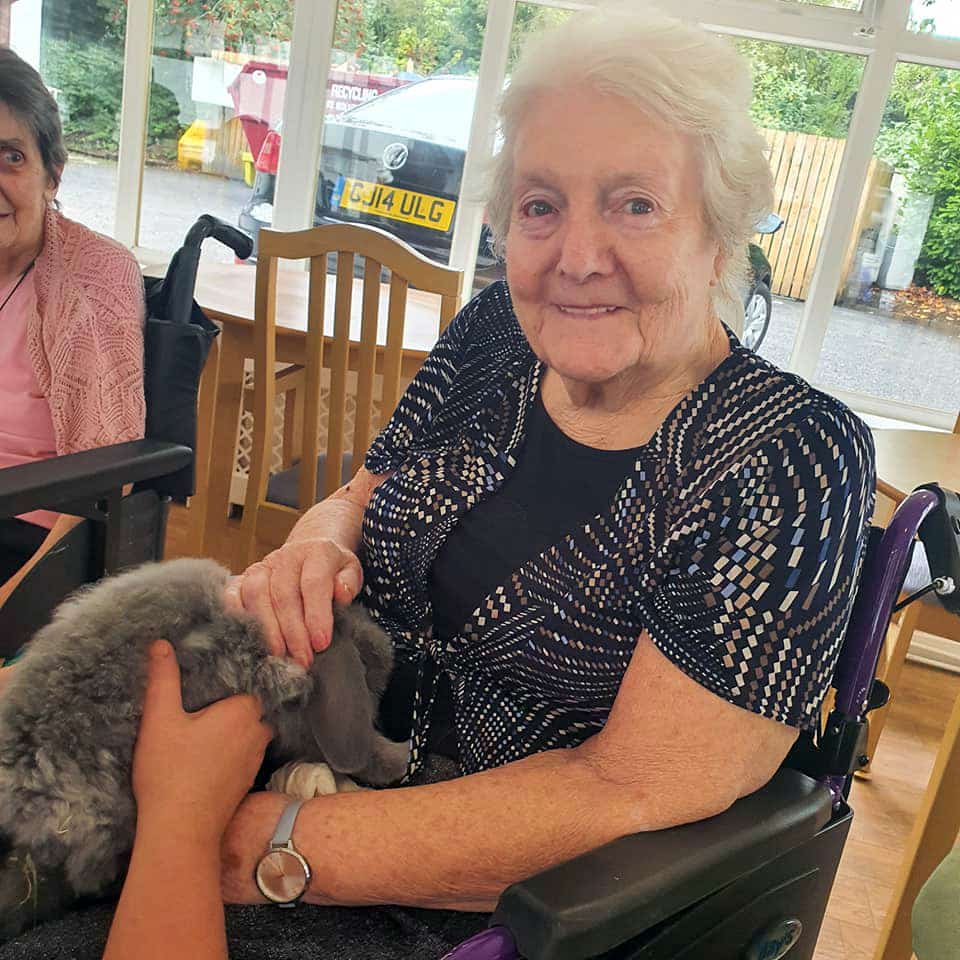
pixel 864 351
pixel 172 201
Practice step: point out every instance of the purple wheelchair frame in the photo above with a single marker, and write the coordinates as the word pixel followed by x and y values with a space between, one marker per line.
pixel 884 569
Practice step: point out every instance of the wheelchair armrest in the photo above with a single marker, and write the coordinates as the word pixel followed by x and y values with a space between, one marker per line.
pixel 60 481
pixel 594 902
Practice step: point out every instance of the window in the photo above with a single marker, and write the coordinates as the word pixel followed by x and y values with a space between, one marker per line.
pixel 78 49
pixel 895 331
pixel 399 105
pixel 939 17
pixel 803 100
pixel 219 74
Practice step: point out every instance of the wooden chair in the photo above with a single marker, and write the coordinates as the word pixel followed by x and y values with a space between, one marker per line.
pixel 266 523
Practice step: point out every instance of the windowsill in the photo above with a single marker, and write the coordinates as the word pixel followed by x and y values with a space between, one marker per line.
pixel 886 423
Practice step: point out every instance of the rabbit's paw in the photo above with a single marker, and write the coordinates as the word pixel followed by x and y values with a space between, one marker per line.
pixel 307 780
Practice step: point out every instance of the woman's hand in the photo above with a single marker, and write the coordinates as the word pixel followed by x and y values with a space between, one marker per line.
pixel 292 592
pixel 191 770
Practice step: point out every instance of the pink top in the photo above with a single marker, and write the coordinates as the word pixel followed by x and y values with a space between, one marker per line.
pixel 26 427
pixel 85 336
pixel 83 314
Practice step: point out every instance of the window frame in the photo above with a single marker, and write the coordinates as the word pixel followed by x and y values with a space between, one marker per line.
pixel 879 32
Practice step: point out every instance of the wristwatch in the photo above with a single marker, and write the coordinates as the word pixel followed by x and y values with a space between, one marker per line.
pixel 283 873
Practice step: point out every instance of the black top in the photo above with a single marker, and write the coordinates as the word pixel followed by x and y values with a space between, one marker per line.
pixel 557 486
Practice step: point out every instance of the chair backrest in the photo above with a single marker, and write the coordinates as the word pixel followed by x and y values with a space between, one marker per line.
pixel 270 523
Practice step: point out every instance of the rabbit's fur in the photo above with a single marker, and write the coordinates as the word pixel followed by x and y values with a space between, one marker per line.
pixel 70 713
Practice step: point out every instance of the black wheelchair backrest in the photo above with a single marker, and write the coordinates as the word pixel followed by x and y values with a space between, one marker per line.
pixel 940 535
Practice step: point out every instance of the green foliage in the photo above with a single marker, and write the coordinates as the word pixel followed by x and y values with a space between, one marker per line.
pixel 443 36
pixel 923 24
pixel 802 90
pixel 89 78
pixel 921 140
pixel 244 22
pixel 939 259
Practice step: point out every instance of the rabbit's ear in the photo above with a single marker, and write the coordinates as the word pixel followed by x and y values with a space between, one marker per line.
pixel 339 712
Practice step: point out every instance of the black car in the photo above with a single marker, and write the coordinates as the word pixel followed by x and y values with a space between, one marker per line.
pixel 758 302
pixel 396 162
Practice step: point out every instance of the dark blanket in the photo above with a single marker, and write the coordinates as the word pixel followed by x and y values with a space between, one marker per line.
pixel 267 933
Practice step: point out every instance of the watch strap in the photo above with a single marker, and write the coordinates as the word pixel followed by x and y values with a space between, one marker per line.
pixel 283 833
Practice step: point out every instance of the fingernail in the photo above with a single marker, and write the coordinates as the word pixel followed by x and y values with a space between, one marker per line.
pixel 159 649
pixel 319 642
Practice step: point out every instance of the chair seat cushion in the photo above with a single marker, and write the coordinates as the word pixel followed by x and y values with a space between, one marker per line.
pixel 936 919
pixel 283 486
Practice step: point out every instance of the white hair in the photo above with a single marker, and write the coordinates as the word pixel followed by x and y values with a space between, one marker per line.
pixel 678 72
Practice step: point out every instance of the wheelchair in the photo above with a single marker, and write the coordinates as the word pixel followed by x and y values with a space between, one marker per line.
pixel 122 531
pixel 749 884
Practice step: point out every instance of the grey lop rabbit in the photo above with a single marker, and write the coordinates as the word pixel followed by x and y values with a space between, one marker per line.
pixel 70 713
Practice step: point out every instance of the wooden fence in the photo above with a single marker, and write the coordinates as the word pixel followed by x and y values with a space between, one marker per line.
pixel 805 169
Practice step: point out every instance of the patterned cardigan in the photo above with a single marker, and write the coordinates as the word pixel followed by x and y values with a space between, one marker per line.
pixel 735 542
pixel 85 336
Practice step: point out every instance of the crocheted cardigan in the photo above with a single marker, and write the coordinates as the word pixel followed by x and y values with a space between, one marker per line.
pixel 85 336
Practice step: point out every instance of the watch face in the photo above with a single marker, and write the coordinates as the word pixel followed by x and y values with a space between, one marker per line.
pixel 282 876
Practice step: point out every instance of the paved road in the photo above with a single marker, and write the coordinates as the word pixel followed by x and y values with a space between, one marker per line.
pixel 869 352
pixel 865 351
pixel 172 201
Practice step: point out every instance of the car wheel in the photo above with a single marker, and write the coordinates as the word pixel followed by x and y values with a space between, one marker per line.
pixel 756 316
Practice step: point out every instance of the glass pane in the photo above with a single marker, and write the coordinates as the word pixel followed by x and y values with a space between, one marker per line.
pixel 939 17
pixel 219 76
pixel 398 110
pixel 895 331
pixel 802 103
pixel 78 49
pixel 528 18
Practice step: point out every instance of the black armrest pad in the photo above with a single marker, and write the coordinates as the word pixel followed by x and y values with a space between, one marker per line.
pixel 48 484
pixel 591 903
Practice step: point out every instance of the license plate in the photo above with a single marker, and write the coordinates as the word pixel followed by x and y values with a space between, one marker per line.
pixel 421 209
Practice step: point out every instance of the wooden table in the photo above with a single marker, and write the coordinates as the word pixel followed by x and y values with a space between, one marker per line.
pixel 226 294
pixel 225 291
pixel 908 458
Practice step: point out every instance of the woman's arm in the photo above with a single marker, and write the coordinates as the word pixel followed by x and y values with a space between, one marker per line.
pixel 292 590
pixel 171 904
pixel 189 773
pixel 671 752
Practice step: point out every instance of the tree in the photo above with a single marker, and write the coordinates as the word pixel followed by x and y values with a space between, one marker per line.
pixel 802 90
pixel 921 139
pixel 244 22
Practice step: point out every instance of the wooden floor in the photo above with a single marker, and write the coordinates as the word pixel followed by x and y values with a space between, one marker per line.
pixel 884 806
pixel 884 810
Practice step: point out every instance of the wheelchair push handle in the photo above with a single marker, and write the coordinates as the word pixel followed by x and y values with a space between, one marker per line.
pixel 208 225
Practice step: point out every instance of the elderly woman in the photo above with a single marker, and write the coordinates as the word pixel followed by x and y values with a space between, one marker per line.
pixel 71 316
pixel 615 549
